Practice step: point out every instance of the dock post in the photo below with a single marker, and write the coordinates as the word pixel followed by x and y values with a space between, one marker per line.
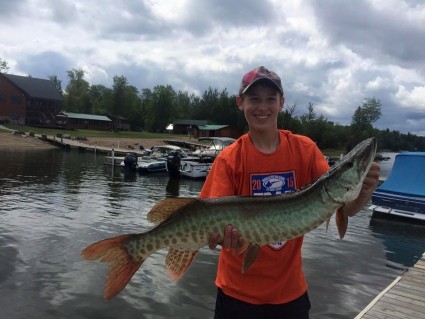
pixel 113 163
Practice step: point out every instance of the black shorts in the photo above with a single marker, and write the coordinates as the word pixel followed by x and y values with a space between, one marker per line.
pixel 230 308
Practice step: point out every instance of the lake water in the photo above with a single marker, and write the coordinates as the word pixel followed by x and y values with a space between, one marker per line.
pixel 55 203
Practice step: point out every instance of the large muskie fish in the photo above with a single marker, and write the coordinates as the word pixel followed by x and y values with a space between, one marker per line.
pixel 185 224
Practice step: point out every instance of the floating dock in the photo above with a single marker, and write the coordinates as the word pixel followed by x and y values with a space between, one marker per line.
pixel 403 298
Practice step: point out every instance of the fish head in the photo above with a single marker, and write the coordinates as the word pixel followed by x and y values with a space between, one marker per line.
pixel 344 180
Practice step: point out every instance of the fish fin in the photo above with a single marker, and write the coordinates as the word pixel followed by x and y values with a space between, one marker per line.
pixel 240 250
pixel 166 207
pixel 178 261
pixel 327 224
pixel 121 266
pixel 341 222
pixel 250 255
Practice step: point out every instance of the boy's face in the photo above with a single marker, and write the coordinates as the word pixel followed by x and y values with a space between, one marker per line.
pixel 261 106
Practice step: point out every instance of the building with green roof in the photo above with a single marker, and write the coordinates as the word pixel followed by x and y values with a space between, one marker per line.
pixel 85 121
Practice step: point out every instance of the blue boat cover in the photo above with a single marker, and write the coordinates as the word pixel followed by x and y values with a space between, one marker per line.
pixel 407 176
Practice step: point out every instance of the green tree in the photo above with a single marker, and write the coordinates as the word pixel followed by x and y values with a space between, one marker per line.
pixel 159 108
pixel 118 95
pixel 132 108
pixel 146 101
pixel 56 82
pixel 77 97
pixel 308 121
pixel 101 99
pixel 367 114
pixel 4 67
pixel 288 120
pixel 363 118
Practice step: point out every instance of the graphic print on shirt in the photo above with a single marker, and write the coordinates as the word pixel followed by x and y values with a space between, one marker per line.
pixel 266 184
pixel 269 184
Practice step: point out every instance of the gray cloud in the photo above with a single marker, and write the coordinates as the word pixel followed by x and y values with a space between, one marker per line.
pixel 331 53
pixel 388 35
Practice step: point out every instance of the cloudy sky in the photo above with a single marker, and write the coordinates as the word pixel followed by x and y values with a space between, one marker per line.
pixel 332 53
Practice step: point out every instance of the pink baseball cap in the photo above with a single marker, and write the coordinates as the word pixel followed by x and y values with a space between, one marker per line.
pixel 260 73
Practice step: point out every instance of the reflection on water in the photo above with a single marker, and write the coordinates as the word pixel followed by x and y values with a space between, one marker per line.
pixel 403 241
pixel 54 203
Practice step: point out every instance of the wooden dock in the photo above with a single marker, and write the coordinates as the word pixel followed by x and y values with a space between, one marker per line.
pixel 80 145
pixel 403 298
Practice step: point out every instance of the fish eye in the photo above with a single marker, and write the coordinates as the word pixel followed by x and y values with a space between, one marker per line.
pixel 350 164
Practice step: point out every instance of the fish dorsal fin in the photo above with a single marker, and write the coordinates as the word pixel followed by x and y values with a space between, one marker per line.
pixel 178 261
pixel 249 256
pixel 165 208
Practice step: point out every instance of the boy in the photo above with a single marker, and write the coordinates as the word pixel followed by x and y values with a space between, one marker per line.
pixel 266 161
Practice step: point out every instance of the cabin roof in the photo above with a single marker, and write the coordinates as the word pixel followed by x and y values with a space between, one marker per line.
pixel 87 116
pixel 35 88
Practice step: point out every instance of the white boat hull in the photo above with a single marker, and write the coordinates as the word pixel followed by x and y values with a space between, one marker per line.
pixel 194 170
pixel 116 160
pixel 384 211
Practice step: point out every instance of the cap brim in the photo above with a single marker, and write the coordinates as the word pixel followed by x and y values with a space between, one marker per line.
pixel 262 79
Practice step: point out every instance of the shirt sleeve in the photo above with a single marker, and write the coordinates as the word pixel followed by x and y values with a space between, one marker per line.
pixel 219 181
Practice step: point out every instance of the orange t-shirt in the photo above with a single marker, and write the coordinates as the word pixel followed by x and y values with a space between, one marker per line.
pixel 240 169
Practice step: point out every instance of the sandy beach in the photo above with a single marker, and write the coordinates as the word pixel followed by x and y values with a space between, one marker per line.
pixel 8 141
pixel 11 142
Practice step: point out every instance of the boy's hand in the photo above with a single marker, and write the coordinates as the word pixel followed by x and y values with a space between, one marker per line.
pixel 230 239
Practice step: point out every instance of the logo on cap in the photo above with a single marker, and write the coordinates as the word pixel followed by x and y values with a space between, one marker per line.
pixel 260 73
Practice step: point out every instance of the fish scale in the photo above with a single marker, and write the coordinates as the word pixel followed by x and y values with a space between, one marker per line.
pixel 185 224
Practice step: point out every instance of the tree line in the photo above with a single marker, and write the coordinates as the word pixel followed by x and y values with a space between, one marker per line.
pixel 153 109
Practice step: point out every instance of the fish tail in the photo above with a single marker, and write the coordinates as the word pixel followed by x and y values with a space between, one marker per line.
pixel 341 222
pixel 121 265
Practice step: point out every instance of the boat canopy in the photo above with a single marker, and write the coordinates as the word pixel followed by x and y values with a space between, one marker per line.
pixel 407 175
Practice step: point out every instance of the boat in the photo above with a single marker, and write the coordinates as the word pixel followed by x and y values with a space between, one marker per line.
pixel 155 161
pixel 116 160
pixel 196 167
pixel 402 194
pixel 113 160
pixel 198 164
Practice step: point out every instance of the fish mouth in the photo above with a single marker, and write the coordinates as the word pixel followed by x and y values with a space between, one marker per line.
pixel 367 156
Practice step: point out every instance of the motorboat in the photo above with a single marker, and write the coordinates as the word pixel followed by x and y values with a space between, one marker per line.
pixel 214 145
pixel 402 194
pixel 198 164
pixel 113 160
pixel 155 161
pixel 196 167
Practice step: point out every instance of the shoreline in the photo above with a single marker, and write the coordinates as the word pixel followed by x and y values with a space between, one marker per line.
pixel 11 142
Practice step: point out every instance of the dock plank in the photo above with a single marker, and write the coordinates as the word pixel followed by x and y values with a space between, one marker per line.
pixel 403 298
pixel 404 312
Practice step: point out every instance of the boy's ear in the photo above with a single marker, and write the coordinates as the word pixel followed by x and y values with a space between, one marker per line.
pixel 239 102
pixel 282 102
